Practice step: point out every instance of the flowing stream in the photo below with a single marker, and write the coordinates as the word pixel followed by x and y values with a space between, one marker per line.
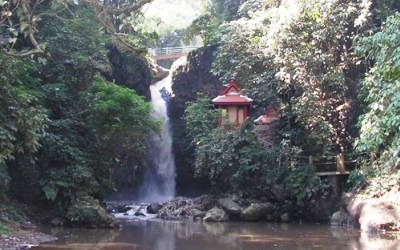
pixel 159 181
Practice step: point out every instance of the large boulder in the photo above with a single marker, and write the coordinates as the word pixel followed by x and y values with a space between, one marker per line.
pixel 216 214
pixel 85 211
pixel 340 218
pixel 198 214
pixel 375 214
pixel 285 217
pixel 153 208
pixel 256 211
pixel 230 206
pixel 205 202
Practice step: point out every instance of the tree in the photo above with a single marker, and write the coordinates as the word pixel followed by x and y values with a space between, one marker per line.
pixel 207 25
pixel 314 60
pixel 229 159
pixel 23 120
pixel 240 58
pixel 379 125
pixel 200 117
pixel 19 21
pixel 121 122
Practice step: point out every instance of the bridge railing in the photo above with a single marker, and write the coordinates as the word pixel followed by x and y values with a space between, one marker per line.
pixel 172 50
pixel 5 39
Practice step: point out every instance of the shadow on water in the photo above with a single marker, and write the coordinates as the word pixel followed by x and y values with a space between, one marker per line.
pixel 168 235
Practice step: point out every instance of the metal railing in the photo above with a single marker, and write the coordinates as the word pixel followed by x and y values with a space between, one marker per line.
pixel 172 50
pixel 5 39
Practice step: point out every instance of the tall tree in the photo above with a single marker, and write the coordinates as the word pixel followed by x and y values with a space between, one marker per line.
pixel 311 42
pixel 380 124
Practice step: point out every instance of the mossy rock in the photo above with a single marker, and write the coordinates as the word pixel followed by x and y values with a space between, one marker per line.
pixel 87 212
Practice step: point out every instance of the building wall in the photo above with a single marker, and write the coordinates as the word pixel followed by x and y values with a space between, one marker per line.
pixel 232 114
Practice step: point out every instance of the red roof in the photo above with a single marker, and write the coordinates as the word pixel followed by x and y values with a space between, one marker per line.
pixel 270 115
pixel 232 99
pixel 231 95
pixel 231 85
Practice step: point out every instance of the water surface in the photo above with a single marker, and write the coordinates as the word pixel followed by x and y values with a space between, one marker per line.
pixel 167 235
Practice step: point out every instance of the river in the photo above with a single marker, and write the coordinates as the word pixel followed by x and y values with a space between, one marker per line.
pixel 189 235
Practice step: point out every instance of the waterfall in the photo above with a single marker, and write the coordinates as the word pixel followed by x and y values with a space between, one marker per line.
pixel 159 181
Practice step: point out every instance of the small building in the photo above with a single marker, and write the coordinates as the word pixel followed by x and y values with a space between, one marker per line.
pixel 270 115
pixel 267 126
pixel 233 105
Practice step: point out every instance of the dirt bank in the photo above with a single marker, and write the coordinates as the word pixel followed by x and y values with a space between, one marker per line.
pixel 23 239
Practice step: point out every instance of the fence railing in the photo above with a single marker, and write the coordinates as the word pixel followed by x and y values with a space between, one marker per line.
pixel 339 164
pixel 171 50
pixel 5 39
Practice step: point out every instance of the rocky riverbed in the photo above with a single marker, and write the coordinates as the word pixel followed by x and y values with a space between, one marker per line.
pixel 370 214
pixel 211 208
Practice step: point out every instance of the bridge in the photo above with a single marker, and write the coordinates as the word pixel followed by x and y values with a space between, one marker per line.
pixel 5 39
pixel 171 52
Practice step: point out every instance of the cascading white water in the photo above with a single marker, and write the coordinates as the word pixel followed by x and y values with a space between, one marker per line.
pixel 159 182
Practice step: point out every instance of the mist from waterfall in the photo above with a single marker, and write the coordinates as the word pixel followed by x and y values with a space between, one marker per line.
pixel 159 180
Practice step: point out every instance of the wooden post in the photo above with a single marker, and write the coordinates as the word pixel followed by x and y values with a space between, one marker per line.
pixel 340 167
pixel 310 159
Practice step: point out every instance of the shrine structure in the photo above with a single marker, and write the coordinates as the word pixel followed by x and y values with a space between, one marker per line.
pixel 233 105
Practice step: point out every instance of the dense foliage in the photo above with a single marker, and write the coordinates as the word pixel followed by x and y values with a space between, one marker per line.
pixel 379 125
pixel 331 67
pixel 231 159
pixel 64 129
pixel 301 55
pixel 23 120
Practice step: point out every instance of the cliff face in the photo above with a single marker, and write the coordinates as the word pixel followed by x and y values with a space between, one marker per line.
pixel 189 79
pixel 130 71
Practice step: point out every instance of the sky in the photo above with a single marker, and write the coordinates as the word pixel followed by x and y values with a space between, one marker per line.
pixel 175 13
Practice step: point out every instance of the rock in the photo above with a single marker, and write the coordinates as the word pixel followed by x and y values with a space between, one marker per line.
pixel 139 212
pixel 278 192
pixel 24 239
pixel 215 215
pixel 122 209
pixel 318 209
pixel 256 211
pixel 269 217
pixel 205 202
pixel 229 206
pixel 158 73
pixel 27 226
pixel 340 218
pixel 176 209
pixel 285 217
pixel 57 222
pixel 198 214
pixel 235 198
pixel 192 77
pixel 123 65
pixel 85 211
pixel 378 215
pixel 375 214
pixel 153 208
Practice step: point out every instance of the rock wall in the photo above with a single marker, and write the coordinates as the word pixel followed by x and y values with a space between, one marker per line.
pixel 130 71
pixel 190 78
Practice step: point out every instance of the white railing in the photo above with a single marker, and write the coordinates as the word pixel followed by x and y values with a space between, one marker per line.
pixel 172 50
pixel 5 39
